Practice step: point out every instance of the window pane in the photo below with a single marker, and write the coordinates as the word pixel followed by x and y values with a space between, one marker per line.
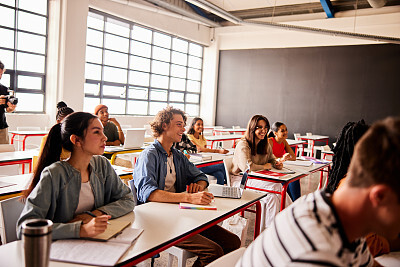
pixel 161 53
pixel 95 21
pixel 29 82
pixel 9 14
pixel 195 50
pixel 192 98
pixel 90 103
pixel 115 75
pixel 178 106
pixel 195 62
pixel 7 38
pixel 92 89
pixel 30 102
pixel 163 40
pixel 178 71
pixel 179 97
pixel 194 74
pixel 31 43
pixel 110 90
pixel 93 54
pixel 7 57
pixel 139 63
pixel 115 106
pixel 140 49
pixel 180 45
pixel 117 27
pixel 37 6
pixel 156 107
pixel 32 23
pixel 116 43
pixel 5 80
pixel 179 58
pixel 138 93
pixel 28 62
pixel 92 72
pixel 94 38
pixel 141 34
pixel 160 95
pixel 160 67
pixel 192 110
pixel 139 78
pixel 115 59
pixel 177 84
pixel 159 81
pixel 8 2
pixel 137 107
pixel 193 86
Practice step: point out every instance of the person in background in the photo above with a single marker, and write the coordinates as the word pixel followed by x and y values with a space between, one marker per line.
pixel 195 135
pixel 112 128
pixel 185 146
pixel 62 111
pixel 254 150
pixel 282 151
pixel 327 230
pixel 163 174
pixel 62 191
pixel 5 106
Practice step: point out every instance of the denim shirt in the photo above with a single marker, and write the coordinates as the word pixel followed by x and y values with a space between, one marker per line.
pixel 151 169
pixel 56 196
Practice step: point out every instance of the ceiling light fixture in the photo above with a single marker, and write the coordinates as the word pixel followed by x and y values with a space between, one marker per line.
pixel 215 10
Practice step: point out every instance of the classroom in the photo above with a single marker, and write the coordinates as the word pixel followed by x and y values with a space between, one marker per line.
pixel 313 65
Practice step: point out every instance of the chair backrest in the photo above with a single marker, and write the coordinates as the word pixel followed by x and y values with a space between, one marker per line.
pixel 7 148
pixel 296 136
pixel 229 259
pixel 133 189
pixel 228 167
pixel 10 210
pixel 309 141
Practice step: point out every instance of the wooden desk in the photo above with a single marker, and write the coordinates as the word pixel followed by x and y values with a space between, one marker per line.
pixel 315 138
pixel 161 227
pixel 218 138
pixel 229 130
pixel 18 157
pixel 20 183
pixel 300 172
pixel 295 144
pixel 115 150
pixel 25 134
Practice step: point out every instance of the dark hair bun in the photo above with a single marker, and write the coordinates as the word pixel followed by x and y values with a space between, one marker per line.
pixel 61 104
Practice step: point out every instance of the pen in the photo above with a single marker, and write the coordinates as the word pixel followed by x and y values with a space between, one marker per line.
pixel 91 214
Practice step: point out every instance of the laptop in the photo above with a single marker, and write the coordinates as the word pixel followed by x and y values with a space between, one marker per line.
pixel 134 138
pixel 229 191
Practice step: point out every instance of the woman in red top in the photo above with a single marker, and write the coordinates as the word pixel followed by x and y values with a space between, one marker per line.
pixel 282 151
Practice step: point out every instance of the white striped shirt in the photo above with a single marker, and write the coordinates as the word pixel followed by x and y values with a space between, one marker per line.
pixel 306 233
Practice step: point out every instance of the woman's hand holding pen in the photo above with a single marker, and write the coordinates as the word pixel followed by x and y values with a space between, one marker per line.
pixel 95 226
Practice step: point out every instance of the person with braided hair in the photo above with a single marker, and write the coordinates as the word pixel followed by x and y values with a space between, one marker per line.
pixel 343 151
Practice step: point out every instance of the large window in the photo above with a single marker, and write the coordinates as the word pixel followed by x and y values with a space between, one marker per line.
pixel 136 70
pixel 23 39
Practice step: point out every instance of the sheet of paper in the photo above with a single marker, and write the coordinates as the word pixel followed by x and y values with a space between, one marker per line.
pixel 304 163
pixel 113 228
pixel 127 236
pixel 88 252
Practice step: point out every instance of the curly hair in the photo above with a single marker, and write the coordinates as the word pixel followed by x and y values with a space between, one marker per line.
pixel 164 117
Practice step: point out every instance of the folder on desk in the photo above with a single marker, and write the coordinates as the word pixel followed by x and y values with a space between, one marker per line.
pixel 113 228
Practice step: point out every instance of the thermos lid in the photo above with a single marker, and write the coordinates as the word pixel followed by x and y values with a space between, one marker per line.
pixel 37 227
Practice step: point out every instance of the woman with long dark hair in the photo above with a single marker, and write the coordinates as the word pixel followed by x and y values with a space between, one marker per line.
pixel 253 150
pixel 63 191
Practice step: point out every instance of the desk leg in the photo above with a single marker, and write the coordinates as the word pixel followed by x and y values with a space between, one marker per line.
pixel 212 144
pixel 283 195
pixel 258 220
pixel 23 168
pixel 23 143
pixel 12 139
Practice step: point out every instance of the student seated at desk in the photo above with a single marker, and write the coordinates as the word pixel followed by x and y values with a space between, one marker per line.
pixel 112 128
pixel 282 151
pixel 254 149
pixel 62 191
pixel 62 111
pixel 195 135
pixel 327 230
pixel 162 174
